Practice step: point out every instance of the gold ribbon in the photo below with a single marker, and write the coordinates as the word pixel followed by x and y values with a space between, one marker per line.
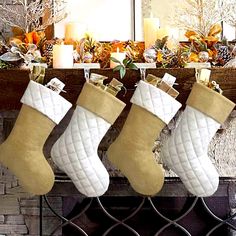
pixel 157 82
pixel 114 87
pixel 37 74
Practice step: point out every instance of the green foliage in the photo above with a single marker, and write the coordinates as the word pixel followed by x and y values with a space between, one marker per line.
pixel 4 65
pixel 126 64
pixel 161 43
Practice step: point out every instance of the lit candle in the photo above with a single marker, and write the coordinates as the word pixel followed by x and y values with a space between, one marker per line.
pixel 74 31
pixel 63 56
pixel 162 32
pixel 120 56
pixel 150 27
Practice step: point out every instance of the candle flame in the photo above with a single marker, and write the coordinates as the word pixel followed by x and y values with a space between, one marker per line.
pixel 117 50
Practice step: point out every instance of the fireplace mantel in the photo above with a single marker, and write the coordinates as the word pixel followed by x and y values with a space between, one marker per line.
pixel 14 81
pixel 12 86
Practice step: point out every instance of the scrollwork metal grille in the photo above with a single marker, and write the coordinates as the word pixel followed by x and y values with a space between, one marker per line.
pixel 131 217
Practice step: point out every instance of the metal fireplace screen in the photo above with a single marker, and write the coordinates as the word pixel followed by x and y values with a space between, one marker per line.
pixel 138 216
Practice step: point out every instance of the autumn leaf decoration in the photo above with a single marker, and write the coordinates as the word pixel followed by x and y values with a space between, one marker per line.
pixel 160 47
pixel 203 43
pixel 24 46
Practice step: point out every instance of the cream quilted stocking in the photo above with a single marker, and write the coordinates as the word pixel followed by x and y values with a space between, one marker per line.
pixel 132 152
pixel 22 152
pixel 75 152
pixel 185 152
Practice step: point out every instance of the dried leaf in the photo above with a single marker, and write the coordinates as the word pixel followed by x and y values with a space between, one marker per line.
pixel 211 39
pixel 10 57
pixel 161 43
pixel 17 31
pixel 118 45
pixel 29 37
pixel 193 57
pixel 159 56
pixel 15 42
pixel 15 50
pixel 190 33
pixel 215 29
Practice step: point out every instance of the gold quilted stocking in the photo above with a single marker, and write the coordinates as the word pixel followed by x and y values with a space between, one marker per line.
pixel 131 152
pixel 22 152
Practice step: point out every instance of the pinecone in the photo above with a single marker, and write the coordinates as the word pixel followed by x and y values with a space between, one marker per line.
pixel 223 55
pixel 3 48
pixel 47 50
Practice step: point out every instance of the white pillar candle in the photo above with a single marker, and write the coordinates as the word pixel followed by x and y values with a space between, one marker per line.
pixel 120 56
pixel 150 27
pixel 74 31
pixel 63 56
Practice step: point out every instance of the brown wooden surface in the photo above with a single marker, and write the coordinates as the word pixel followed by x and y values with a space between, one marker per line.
pixel 13 83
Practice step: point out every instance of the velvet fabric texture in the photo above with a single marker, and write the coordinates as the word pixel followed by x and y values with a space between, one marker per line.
pixel 132 151
pixel 210 103
pixel 22 152
pixel 100 102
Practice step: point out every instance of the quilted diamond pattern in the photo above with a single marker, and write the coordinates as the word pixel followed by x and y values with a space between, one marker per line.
pixel 46 101
pixel 185 152
pixel 75 152
pixel 155 101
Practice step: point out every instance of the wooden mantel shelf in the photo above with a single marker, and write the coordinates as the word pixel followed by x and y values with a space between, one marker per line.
pixel 13 83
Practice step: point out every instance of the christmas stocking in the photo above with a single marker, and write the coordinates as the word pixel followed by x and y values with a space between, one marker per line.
pixel 131 152
pixel 22 152
pixel 75 152
pixel 185 152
